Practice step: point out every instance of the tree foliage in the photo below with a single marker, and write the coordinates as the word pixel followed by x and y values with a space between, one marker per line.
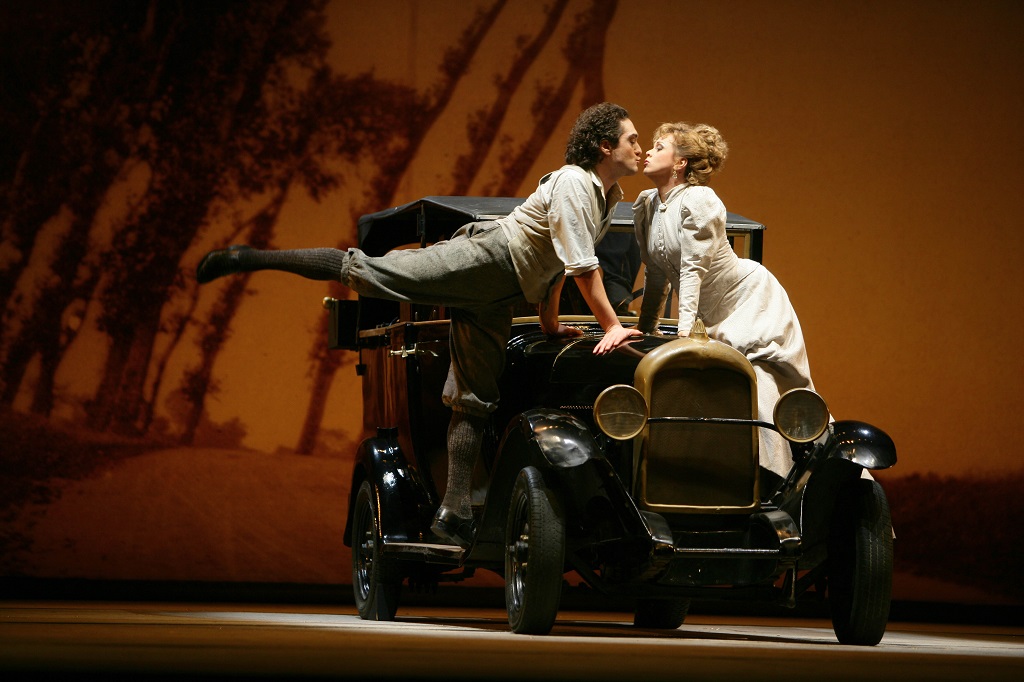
pixel 209 109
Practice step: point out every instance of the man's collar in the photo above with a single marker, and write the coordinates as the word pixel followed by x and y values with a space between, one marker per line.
pixel 614 193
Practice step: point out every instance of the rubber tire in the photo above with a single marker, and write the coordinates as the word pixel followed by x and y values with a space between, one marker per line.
pixel 534 555
pixel 660 614
pixel 860 564
pixel 376 581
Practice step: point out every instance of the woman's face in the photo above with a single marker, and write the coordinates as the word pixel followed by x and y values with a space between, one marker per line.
pixel 661 160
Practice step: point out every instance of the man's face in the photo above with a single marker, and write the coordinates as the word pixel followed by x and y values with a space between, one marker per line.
pixel 625 156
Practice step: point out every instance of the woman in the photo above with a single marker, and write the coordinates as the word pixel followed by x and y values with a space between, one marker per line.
pixel 680 226
pixel 480 273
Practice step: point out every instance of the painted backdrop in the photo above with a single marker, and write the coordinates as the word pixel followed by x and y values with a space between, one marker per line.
pixel 155 430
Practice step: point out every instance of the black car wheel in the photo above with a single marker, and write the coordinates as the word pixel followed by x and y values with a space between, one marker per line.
pixel 534 555
pixel 662 614
pixel 860 564
pixel 376 581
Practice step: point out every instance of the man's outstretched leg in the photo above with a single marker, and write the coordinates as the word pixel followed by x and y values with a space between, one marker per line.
pixel 320 263
pixel 454 520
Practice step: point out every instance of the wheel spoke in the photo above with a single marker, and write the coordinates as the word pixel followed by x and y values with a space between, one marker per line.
pixel 375 583
pixel 534 554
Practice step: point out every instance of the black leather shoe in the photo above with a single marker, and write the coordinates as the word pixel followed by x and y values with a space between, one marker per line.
pixel 219 263
pixel 458 530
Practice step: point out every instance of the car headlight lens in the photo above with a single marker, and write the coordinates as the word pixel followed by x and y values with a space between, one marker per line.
pixel 620 412
pixel 801 415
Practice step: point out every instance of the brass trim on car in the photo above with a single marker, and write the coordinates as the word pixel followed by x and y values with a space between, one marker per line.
pixel 801 415
pixel 620 412
pixel 739 489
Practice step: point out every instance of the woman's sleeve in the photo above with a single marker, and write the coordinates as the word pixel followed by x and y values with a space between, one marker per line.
pixel 702 219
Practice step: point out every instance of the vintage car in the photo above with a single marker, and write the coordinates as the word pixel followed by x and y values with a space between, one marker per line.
pixel 638 469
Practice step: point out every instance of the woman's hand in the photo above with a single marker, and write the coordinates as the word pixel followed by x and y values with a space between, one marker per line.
pixel 616 336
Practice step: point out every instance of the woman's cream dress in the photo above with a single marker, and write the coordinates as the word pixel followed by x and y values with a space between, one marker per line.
pixel 684 247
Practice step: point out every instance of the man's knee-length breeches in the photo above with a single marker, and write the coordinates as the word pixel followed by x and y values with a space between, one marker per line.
pixel 472 274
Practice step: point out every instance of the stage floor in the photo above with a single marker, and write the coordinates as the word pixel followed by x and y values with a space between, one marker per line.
pixel 218 641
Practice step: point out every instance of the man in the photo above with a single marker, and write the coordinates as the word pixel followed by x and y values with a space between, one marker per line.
pixel 480 273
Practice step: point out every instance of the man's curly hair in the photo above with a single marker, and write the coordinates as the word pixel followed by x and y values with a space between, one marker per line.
pixel 598 123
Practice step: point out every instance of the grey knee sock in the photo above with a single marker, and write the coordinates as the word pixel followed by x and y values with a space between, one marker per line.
pixel 465 437
pixel 321 263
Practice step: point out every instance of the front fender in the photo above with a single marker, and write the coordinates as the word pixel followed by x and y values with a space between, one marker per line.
pixel 544 438
pixel 862 444
pixel 560 439
pixel 811 491
pixel 573 465
pixel 402 500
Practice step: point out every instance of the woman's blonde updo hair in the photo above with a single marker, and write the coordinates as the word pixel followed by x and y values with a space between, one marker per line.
pixel 701 145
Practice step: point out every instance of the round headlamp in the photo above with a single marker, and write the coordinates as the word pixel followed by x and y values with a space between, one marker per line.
pixel 801 415
pixel 620 412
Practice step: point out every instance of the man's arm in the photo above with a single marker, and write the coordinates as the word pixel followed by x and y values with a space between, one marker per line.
pixel 592 288
pixel 548 312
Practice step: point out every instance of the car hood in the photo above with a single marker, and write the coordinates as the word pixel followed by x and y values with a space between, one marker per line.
pixel 540 370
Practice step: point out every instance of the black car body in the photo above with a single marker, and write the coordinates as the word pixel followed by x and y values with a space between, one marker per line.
pixel 638 470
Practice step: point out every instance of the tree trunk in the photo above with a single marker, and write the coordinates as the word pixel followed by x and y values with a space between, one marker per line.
pixel 127 407
pixel 327 366
pixel 484 132
pixel 18 229
pixel 454 67
pixel 585 50
pixel 42 327
pixel 187 184
pixel 49 360
pixel 99 412
pixel 217 329
pixel 15 364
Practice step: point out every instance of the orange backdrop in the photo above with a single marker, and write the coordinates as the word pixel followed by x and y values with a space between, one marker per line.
pixel 880 142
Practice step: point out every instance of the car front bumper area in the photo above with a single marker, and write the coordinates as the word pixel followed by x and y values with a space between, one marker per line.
pixel 689 556
pixel 745 551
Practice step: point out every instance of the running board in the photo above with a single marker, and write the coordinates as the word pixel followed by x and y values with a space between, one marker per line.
pixel 422 551
pixel 707 553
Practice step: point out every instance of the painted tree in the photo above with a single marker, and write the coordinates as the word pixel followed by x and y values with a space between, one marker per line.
pixel 483 128
pixel 87 106
pixel 213 92
pixel 584 52
pixel 407 140
pixel 222 105
pixel 49 64
pixel 336 119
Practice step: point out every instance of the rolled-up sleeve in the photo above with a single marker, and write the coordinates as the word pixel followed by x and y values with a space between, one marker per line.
pixel 574 230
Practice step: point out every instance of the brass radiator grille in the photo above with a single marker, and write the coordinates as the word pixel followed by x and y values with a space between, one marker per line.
pixel 707 465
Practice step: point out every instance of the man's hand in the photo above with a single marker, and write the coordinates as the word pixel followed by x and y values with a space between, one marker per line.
pixel 614 337
pixel 591 285
pixel 562 330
